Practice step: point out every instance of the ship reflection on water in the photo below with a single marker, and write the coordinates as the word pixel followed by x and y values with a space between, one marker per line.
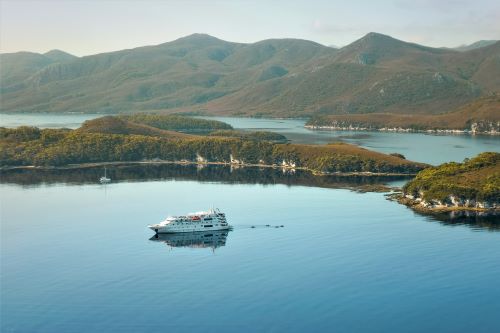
pixel 203 239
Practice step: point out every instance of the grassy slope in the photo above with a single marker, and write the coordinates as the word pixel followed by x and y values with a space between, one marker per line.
pixel 115 125
pixel 259 135
pixel 177 122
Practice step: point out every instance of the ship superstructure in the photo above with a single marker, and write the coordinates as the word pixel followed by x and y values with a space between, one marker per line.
pixel 212 219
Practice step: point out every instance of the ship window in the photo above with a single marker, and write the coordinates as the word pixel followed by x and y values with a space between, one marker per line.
pixel 208 226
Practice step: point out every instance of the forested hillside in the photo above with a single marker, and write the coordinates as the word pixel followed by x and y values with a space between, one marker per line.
pixel 275 78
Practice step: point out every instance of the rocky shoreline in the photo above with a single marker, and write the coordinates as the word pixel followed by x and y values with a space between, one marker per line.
pixel 454 208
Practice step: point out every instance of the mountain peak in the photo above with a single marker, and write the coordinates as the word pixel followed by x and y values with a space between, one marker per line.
pixel 199 37
pixel 375 48
pixel 59 56
pixel 378 38
pixel 376 35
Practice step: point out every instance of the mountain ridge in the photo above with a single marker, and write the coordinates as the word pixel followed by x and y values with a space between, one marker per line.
pixel 274 77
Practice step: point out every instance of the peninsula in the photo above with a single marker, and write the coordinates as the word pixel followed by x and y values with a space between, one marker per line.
pixel 471 186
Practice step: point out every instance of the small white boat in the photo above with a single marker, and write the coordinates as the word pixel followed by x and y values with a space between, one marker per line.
pixel 105 179
pixel 193 222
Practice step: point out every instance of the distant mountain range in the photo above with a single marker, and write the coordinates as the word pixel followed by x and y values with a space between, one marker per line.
pixel 476 45
pixel 276 78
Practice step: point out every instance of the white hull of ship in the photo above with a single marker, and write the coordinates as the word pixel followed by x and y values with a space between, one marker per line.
pixel 188 228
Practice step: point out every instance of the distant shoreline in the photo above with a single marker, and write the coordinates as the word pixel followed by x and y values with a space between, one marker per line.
pixel 438 131
pixel 401 130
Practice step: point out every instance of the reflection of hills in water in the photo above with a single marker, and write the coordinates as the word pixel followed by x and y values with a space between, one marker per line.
pixel 203 239
pixel 210 173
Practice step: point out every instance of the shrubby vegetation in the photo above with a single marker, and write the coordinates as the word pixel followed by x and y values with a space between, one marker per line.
pixel 259 135
pixel 178 123
pixel 398 155
pixel 475 179
pixel 50 147
pixel 118 125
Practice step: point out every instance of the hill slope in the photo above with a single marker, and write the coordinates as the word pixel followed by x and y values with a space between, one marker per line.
pixel 277 77
pixel 115 125
pixel 480 116
pixel 476 45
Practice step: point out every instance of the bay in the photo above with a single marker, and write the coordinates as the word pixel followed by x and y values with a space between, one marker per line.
pixel 77 256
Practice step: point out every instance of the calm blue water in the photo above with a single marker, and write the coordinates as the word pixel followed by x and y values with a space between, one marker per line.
pixel 432 149
pixel 44 120
pixel 78 258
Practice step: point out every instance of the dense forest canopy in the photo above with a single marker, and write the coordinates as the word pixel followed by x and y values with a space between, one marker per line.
pixel 258 135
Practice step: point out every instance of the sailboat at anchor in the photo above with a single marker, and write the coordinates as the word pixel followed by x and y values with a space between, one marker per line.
pixel 105 179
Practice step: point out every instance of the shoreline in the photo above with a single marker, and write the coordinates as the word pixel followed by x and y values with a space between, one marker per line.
pixel 417 206
pixel 400 130
pixel 239 165
pixel 310 127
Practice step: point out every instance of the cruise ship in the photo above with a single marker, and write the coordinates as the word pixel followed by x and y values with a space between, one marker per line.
pixel 201 221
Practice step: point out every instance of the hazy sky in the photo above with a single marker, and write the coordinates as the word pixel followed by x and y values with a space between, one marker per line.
pixel 84 27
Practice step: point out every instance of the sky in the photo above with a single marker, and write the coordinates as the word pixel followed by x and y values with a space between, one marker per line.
pixel 84 27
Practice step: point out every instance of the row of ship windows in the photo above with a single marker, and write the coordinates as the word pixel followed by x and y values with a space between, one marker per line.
pixel 190 223
pixel 209 225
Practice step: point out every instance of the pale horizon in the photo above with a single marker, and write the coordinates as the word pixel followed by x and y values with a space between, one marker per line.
pixel 91 27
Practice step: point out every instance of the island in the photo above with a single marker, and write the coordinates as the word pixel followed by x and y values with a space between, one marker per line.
pixel 471 187
pixel 145 139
